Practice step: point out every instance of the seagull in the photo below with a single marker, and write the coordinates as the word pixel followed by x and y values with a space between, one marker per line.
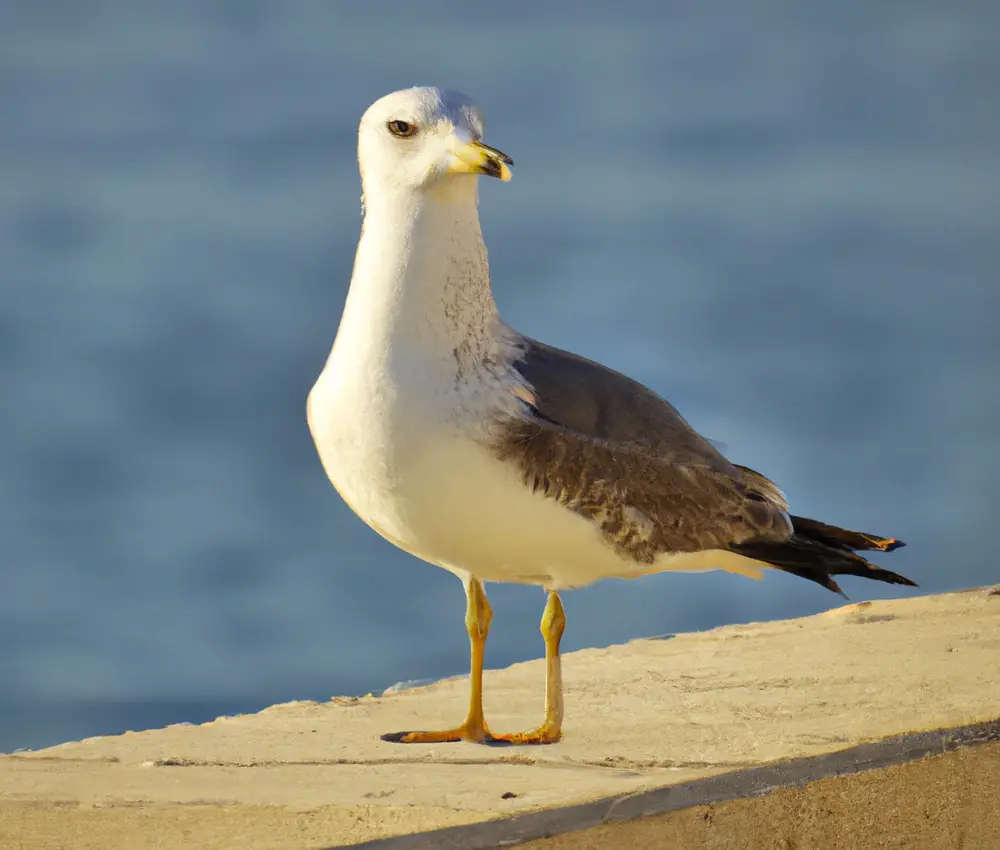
pixel 500 458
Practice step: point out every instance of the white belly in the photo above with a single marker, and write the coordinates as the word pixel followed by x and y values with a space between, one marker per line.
pixel 443 497
pixel 476 515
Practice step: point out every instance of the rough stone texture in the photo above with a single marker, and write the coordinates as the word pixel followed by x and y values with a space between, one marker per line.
pixel 945 802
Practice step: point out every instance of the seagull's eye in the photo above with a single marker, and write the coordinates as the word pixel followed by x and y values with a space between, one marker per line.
pixel 402 128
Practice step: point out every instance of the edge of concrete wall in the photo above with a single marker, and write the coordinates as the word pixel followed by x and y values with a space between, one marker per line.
pixel 740 784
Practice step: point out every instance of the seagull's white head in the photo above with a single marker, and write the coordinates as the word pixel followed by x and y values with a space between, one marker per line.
pixel 425 140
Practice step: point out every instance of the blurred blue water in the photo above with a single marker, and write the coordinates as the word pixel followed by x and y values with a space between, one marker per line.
pixel 781 216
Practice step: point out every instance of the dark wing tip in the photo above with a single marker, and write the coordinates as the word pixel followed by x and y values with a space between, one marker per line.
pixel 830 584
pixel 890 577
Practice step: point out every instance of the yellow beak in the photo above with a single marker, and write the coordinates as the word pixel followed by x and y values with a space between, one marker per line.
pixel 476 158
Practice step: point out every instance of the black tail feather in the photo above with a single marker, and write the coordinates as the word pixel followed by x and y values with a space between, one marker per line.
pixel 817 552
pixel 842 537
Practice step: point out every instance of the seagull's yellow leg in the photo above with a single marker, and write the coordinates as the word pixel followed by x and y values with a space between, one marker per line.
pixel 552 627
pixel 477 621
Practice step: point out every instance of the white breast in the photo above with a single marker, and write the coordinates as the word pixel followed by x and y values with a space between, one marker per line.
pixel 439 493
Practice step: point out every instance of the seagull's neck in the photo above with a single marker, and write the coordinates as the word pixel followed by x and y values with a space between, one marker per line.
pixel 421 285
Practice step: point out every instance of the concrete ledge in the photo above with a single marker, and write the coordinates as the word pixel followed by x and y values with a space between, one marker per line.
pixel 577 823
pixel 682 733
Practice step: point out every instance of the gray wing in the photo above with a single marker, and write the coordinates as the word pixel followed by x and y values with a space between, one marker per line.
pixel 613 451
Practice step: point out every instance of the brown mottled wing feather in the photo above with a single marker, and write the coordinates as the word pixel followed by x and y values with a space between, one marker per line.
pixel 616 453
